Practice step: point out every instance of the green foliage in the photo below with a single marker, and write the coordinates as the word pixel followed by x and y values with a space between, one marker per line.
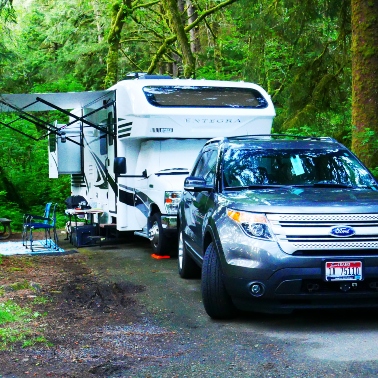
pixel 10 210
pixel 24 184
pixel 14 326
pixel 20 285
pixel 41 300
pixel 11 312
pixel 300 52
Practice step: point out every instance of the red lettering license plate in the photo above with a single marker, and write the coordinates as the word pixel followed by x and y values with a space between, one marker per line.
pixel 343 271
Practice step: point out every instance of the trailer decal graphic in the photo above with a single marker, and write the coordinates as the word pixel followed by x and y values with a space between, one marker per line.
pixel 106 178
pixel 142 202
pixel 136 199
pixel 124 130
pixel 126 197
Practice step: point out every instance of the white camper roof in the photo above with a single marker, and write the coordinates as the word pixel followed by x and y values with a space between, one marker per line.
pixel 150 107
pixel 133 89
pixel 133 101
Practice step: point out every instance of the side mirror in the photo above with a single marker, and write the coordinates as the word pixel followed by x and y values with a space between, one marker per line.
pixel 196 184
pixel 119 165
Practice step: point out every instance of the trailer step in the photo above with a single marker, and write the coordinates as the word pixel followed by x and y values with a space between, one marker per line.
pixel 141 233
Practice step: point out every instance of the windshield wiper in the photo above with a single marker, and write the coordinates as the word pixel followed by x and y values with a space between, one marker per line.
pixel 331 185
pixel 255 186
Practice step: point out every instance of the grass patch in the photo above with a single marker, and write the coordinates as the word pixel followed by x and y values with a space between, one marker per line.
pixel 15 269
pixel 14 327
pixel 41 300
pixel 21 285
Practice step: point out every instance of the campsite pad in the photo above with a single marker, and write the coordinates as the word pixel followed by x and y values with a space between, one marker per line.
pixel 16 248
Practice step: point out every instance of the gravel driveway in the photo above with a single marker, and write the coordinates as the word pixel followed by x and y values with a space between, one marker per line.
pixel 114 311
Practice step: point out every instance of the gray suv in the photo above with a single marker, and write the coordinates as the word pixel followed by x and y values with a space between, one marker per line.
pixel 277 223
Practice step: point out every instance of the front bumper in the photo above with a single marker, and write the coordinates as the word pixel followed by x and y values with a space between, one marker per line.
pixel 289 281
pixel 303 288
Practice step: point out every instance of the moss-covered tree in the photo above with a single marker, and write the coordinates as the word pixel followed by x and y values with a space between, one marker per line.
pixel 365 80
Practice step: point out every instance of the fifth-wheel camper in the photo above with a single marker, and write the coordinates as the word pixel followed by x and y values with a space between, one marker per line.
pixel 128 149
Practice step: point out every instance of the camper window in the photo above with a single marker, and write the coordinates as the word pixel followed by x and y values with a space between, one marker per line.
pixel 204 97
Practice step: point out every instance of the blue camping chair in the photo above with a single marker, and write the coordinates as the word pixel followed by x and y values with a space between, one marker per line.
pixel 47 224
pixel 26 222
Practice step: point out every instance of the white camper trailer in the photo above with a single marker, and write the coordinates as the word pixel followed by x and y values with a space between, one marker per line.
pixel 130 147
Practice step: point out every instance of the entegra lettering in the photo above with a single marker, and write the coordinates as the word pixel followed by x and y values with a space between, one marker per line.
pixel 211 120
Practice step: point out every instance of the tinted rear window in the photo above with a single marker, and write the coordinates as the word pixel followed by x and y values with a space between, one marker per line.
pixel 204 97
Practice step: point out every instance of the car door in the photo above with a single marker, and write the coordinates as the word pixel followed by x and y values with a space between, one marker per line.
pixel 196 203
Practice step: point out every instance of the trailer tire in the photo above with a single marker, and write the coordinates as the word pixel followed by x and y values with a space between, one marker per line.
pixel 159 241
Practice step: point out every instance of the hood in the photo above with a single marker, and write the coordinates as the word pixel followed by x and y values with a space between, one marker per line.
pixel 304 200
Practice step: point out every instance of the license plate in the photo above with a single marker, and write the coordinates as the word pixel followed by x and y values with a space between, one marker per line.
pixel 343 271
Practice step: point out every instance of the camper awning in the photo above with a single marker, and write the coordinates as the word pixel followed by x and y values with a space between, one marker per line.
pixel 24 104
pixel 29 102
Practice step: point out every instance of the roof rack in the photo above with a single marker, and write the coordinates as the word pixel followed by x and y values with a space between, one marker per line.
pixel 144 75
pixel 282 136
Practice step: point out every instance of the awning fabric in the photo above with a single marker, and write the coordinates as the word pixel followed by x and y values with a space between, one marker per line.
pixel 28 102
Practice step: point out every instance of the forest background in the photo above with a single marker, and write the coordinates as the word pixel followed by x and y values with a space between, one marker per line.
pixel 318 59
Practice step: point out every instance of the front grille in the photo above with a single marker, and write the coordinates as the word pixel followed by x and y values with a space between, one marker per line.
pixel 319 286
pixel 336 252
pixel 336 245
pixel 333 218
pixel 310 234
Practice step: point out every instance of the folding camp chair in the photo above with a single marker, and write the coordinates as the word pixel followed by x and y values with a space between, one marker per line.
pixel 49 225
pixel 26 222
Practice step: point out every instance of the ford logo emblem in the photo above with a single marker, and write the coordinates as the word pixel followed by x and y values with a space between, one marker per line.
pixel 342 231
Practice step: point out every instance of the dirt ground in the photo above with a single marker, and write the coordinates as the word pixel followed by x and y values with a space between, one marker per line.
pixel 78 318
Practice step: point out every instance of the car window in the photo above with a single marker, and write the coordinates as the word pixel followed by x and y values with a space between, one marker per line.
pixel 244 167
pixel 206 166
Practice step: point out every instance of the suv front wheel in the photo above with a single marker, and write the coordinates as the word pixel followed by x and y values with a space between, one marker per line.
pixel 216 300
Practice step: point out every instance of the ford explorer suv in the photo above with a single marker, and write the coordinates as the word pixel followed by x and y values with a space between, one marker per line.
pixel 277 223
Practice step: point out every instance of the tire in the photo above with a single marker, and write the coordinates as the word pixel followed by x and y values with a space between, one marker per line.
pixel 187 268
pixel 159 241
pixel 216 300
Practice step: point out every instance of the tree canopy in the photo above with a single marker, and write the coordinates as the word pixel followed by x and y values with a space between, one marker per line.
pixel 300 52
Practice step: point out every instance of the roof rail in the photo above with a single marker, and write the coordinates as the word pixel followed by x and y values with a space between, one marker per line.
pixel 283 136
pixel 154 77
pixel 144 75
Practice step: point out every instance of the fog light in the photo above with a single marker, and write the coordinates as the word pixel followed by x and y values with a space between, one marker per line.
pixel 257 289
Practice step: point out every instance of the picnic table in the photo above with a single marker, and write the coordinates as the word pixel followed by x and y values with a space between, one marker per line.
pixel 6 232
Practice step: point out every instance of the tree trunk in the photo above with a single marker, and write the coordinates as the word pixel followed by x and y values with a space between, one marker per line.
pixel 176 24
pixel 119 14
pixel 365 80
pixel 194 36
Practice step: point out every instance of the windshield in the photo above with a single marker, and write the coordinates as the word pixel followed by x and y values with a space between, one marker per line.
pixel 204 97
pixel 323 167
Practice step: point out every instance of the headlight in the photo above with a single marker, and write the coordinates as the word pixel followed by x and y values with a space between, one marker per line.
pixel 254 225
pixel 171 202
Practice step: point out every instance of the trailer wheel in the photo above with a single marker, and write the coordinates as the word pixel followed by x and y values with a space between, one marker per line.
pixel 159 241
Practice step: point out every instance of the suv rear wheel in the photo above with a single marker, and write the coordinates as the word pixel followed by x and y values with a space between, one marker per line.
pixel 216 300
pixel 186 266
